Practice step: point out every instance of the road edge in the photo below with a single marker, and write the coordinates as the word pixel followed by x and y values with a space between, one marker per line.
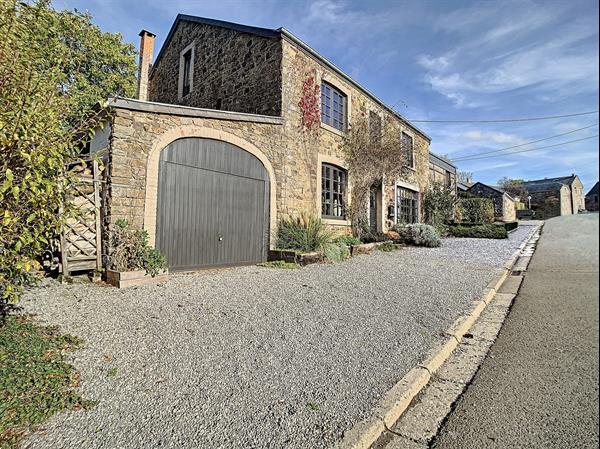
pixel 399 398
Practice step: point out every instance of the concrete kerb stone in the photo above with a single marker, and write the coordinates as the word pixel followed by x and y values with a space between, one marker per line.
pixel 462 324
pixel 394 404
pixel 399 398
pixel 497 280
pixel 438 355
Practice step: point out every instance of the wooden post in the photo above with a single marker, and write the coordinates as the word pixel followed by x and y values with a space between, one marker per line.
pixel 96 180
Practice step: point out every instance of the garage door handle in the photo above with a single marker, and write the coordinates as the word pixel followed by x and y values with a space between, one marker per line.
pixel 220 239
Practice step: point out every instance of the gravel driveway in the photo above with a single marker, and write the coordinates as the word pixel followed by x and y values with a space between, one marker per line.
pixel 257 357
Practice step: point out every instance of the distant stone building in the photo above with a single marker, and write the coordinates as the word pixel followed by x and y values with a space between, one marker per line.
pixel 552 197
pixel 591 199
pixel 504 204
pixel 442 170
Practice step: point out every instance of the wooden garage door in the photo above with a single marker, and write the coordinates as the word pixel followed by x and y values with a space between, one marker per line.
pixel 213 205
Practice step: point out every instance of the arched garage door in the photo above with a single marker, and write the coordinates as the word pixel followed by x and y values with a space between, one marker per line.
pixel 213 205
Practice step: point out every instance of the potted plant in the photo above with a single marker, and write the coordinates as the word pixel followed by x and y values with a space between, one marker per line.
pixel 131 260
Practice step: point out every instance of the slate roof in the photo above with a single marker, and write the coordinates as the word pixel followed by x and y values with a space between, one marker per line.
pixel 443 162
pixel 548 184
pixel 464 186
pixel 593 190
pixel 279 33
pixel 496 188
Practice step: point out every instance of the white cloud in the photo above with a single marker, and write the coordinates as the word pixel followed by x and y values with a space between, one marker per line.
pixel 496 137
pixel 530 48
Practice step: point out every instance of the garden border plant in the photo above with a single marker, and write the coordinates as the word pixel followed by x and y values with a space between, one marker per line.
pixel 130 253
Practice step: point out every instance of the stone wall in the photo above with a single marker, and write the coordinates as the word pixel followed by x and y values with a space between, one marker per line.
pixel 136 133
pixel 509 212
pixel 309 151
pixel 232 71
pixel 577 195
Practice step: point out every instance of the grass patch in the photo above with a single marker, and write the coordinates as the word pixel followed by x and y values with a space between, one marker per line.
pixel 313 406
pixel 280 264
pixel 35 380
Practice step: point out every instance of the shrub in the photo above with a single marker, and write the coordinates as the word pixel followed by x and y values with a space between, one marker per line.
pixel 418 235
pixel 55 65
pixel 489 231
pixel 280 264
pixel 509 226
pixel 388 247
pixel 336 252
pixel 304 233
pixel 348 240
pixel 130 251
pixel 369 236
pixel 476 210
pixel 438 204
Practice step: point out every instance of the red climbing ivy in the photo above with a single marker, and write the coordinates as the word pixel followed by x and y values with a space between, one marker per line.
pixel 310 108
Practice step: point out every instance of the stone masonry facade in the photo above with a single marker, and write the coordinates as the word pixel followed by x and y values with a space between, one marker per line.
pixel 232 71
pixel 248 74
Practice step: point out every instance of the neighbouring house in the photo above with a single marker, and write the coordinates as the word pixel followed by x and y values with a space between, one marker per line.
pixel 504 204
pixel 442 170
pixel 213 152
pixel 552 197
pixel 591 199
pixel 462 187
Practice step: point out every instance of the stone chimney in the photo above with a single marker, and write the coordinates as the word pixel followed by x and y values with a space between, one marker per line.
pixel 146 50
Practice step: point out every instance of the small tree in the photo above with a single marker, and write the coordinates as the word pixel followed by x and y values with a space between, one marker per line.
pixel 439 203
pixel 514 187
pixel 54 66
pixel 465 176
pixel 371 158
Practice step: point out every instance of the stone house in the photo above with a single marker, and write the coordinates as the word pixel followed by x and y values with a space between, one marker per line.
pixel 213 152
pixel 591 199
pixel 504 204
pixel 442 170
pixel 552 197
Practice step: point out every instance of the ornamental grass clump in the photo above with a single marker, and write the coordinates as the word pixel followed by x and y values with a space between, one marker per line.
pixel 303 232
pixel 418 235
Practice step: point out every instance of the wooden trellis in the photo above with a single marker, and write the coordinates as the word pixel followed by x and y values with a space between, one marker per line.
pixel 80 241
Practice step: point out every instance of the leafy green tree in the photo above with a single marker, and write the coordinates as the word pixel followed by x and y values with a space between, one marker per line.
pixel 514 187
pixel 54 67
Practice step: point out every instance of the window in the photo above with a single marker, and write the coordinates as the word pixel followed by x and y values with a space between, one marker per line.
pixel 333 192
pixel 333 107
pixel 186 71
pixel 374 128
pixel 407 206
pixel 187 65
pixel 406 142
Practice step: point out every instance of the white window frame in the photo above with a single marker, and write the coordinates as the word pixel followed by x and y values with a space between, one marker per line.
pixel 191 47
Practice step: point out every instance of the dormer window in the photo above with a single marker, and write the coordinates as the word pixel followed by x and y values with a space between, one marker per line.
pixel 186 71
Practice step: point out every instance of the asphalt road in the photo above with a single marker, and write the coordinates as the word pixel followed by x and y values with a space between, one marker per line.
pixel 538 387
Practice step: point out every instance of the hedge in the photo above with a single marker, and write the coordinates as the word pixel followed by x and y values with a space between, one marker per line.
pixel 487 231
pixel 476 210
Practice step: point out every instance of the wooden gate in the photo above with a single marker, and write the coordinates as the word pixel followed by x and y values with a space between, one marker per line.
pixel 80 240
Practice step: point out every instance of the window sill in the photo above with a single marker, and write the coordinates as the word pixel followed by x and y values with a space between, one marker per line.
pixel 332 129
pixel 336 221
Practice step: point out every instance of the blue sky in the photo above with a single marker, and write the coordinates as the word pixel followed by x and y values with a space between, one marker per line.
pixel 447 60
